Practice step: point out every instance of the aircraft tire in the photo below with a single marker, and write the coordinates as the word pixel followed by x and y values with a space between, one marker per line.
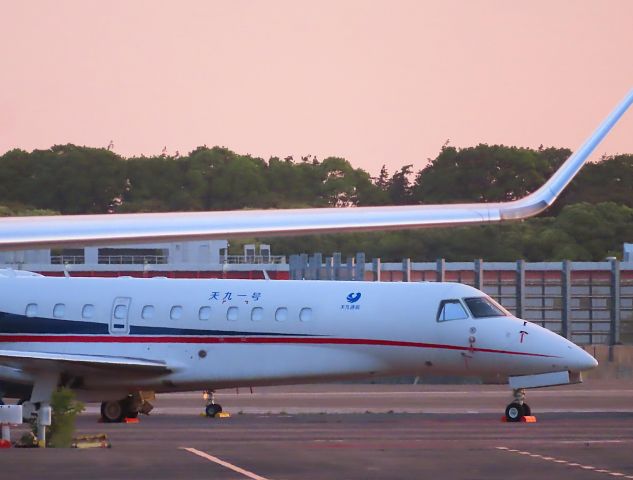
pixel 212 409
pixel 514 412
pixel 527 411
pixel 131 414
pixel 112 411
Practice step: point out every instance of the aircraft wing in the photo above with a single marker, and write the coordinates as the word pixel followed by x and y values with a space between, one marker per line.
pixel 33 232
pixel 78 363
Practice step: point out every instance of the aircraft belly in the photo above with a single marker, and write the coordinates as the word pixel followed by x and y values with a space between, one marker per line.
pixel 268 362
pixel 243 365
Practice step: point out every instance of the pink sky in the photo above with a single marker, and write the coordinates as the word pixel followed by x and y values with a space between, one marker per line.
pixel 373 81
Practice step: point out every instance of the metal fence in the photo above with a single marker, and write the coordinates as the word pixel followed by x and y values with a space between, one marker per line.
pixel 587 302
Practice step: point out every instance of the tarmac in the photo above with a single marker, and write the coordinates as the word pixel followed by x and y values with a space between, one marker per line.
pixel 357 432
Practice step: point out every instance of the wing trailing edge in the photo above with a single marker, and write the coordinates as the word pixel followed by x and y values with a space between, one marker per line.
pixel 85 230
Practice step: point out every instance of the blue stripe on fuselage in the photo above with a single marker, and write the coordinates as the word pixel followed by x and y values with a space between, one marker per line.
pixel 15 323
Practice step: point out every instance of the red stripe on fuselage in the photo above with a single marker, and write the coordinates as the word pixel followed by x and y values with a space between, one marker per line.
pixel 257 340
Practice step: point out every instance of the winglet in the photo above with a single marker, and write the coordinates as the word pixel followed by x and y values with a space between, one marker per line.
pixel 549 192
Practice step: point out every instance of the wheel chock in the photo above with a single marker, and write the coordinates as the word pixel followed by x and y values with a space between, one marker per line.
pixel 217 415
pixel 130 420
pixel 526 419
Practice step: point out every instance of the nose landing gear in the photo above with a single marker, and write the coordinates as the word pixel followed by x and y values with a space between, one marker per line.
pixel 211 409
pixel 518 409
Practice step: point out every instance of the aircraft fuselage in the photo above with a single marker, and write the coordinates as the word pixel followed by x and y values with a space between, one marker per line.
pixel 215 334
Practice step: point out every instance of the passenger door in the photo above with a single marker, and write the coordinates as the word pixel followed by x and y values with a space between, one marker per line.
pixel 119 318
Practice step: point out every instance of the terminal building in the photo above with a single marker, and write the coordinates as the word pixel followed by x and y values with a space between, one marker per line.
pixel 196 259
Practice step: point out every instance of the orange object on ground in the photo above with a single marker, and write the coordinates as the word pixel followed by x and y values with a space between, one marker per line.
pixel 526 419
pixel 5 444
pixel 130 420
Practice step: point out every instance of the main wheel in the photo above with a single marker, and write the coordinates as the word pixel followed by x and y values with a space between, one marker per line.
pixel 527 411
pixel 514 412
pixel 112 411
pixel 212 409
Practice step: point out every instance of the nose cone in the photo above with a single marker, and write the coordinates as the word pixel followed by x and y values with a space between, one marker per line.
pixel 578 360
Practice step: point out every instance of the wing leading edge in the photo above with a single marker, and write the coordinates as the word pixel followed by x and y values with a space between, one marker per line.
pixel 32 232
pixel 33 361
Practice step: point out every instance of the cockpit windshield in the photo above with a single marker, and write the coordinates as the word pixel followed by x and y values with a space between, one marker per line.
pixel 482 307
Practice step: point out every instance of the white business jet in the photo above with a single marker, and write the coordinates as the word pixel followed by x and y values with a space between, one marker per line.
pixel 109 339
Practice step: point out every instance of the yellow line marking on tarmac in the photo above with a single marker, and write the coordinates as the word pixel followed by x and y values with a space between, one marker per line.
pixel 228 465
pixel 565 462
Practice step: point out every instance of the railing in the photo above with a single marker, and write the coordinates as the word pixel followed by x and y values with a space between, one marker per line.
pixel 67 259
pixel 163 259
pixel 253 259
pixel 132 259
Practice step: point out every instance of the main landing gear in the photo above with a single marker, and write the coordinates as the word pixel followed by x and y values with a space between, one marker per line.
pixel 116 411
pixel 518 409
pixel 211 409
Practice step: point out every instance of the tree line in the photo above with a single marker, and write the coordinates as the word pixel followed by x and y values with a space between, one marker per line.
pixel 590 221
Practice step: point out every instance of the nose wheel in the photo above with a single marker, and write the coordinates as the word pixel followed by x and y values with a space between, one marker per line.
pixel 211 409
pixel 515 412
pixel 518 408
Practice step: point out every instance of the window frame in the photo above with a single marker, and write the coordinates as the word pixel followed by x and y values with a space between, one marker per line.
pixel 281 314
pixel 232 314
pixel 31 310
pixel 88 311
pixel 440 309
pixel 257 314
pixel 305 314
pixel 204 313
pixel 118 309
pixel 59 310
pixel 504 312
pixel 148 311
pixel 176 312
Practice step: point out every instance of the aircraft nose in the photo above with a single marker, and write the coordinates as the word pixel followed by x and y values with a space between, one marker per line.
pixel 578 360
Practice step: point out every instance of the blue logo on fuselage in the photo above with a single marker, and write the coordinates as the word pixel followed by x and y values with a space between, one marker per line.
pixel 353 297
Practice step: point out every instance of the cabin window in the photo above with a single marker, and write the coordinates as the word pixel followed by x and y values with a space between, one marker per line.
pixel 257 314
pixel 176 312
pixel 31 310
pixel 88 311
pixel 451 310
pixel 281 314
pixel 204 313
pixel 148 312
pixel 482 307
pixel 59 310
pixel 305 315
pixel 120 312
pixel 232 314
